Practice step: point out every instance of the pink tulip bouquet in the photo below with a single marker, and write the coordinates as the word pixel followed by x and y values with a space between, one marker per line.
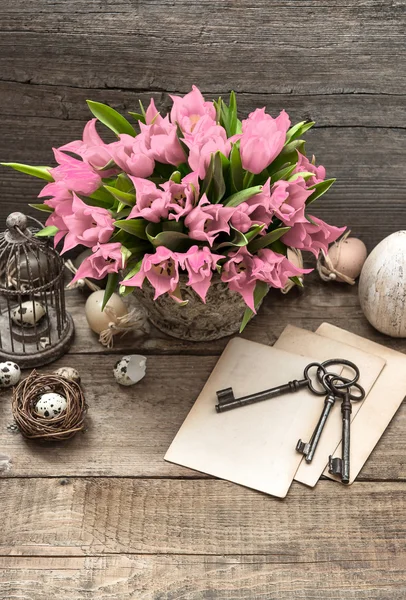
pixel 195 192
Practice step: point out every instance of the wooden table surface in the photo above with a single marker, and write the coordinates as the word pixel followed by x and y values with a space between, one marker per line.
pixel 103 516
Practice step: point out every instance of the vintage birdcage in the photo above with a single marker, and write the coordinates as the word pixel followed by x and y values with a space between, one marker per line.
pixel 35 328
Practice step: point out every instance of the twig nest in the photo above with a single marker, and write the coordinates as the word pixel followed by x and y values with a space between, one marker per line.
pixel 130 369
pixel 68 373
pixel 344 260
pixel 32 399
pixel 10 374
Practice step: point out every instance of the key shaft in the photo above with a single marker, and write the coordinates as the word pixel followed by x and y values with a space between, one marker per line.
pixel 227 401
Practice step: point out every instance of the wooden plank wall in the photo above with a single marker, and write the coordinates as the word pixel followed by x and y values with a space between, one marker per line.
pixel 338 62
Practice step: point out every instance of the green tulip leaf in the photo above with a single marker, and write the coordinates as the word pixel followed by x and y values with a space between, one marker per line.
pixel 242 196
pixel 112 281
pixel 319 189
pixel 42 207
pixel 124 197
pixel 298 130
pixel 236 170
pixel 266 240
pixel 111 118
pixel 40 172
pixel 136 227
pixel 173 240
pixel 213 184
pixel 49 231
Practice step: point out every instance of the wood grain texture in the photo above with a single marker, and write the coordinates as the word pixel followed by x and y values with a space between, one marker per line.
pixel 366 521
pixel 137 424
pixel 126 577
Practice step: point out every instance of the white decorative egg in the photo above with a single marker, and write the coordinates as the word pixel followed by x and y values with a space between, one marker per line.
pixel 99 320
pixel 9 374
pixel 382 286
pixel 28 314
pixel 51 405
pixel 130 369
pixel 68 373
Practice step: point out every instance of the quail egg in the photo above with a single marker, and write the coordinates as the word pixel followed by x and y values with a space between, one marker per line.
pixel 51 405
pixel 28 314
pixel 9 374
pixel 130 369
pixel 68 373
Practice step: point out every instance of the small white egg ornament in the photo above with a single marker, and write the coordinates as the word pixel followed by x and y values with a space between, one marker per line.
pixel 130 369
pixel 99 320
pixel 68 373
pixel 343 261
pixel 10 374
pixel 51 405
pixel 28 314
pixel 382 286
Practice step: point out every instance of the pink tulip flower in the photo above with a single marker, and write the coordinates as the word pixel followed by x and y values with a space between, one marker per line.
pixel 132 155
pixel 91 149
pixel 275 269
pixel 87 225
pixel 74 174
pixel 161 269
pixel 304 164
pixel 288 200
pixel 189 109
pixel 207 138
pixel 312 236
pixel 152 203
pixel 106 258
pixel 207 220
pixel 262 139
pixel 62 205
pixel 183 196
pixel 200 264
pixel 238 272
pixel 161 142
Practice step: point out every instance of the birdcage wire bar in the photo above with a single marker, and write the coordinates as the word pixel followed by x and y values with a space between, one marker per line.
pixel 31 280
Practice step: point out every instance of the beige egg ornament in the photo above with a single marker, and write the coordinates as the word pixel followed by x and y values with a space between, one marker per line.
pixel 344 260
pixel 382 286
pixel 99 320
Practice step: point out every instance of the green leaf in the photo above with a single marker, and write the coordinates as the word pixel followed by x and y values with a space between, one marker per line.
pixel 42 207
pixel 279 247
pixel 213 184
pixel 232 115
pixel 100 198
pixel 283 173
pixel 137 116
pixel 238 239
pixel 112 281
pixel 319 189
pixel 172 226
pixel 297 281
pixel 111 118
pixel 236 170
pixel 253 232
pixel 261 290
pixel 298 130
pixel 49 231
pixel 304 174
pixel 242 196
pixel 124 197
pixel 288 155
pixel 176 177
pixel 267 239
pixel 127 290
pixel 40 172
pixel 134 226
pixel 174 240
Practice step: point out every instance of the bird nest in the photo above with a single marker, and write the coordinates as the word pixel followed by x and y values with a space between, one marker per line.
pixel 35 426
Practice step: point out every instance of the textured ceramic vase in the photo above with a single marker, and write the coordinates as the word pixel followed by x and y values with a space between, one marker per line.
pixel 220 316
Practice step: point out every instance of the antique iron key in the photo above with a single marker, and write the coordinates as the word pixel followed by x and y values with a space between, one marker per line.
pixel 309 448
pixel 341 466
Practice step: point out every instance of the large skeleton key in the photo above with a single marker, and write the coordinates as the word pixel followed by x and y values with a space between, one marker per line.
pixel 309 448
pixel 341 466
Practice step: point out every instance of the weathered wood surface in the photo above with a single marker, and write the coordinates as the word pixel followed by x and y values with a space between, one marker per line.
pixel 103 516
pixel 126 577
pixel 58 517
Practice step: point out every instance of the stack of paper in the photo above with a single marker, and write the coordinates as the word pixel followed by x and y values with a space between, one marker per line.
pixel 255 445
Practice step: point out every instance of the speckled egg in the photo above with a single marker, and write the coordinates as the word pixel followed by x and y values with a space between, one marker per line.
pixel 68 373
pixel 130 369
pixel 9 374
pixel 28 314
pixel 51 405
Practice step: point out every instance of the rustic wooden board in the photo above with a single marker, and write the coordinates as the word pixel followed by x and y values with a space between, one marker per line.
pixel 126 577
pixel 366 521
pixel 250 45
pixel 130 429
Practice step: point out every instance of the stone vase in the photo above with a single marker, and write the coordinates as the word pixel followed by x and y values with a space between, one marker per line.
pixel 195 321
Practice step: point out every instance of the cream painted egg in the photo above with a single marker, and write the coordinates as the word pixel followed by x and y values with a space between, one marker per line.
pixel 130 369
pixel 28 314
pixel 382 286
pixel 99 320
pixel 10 374
pixel 51 405
pixel 68 373
pixel 347 257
